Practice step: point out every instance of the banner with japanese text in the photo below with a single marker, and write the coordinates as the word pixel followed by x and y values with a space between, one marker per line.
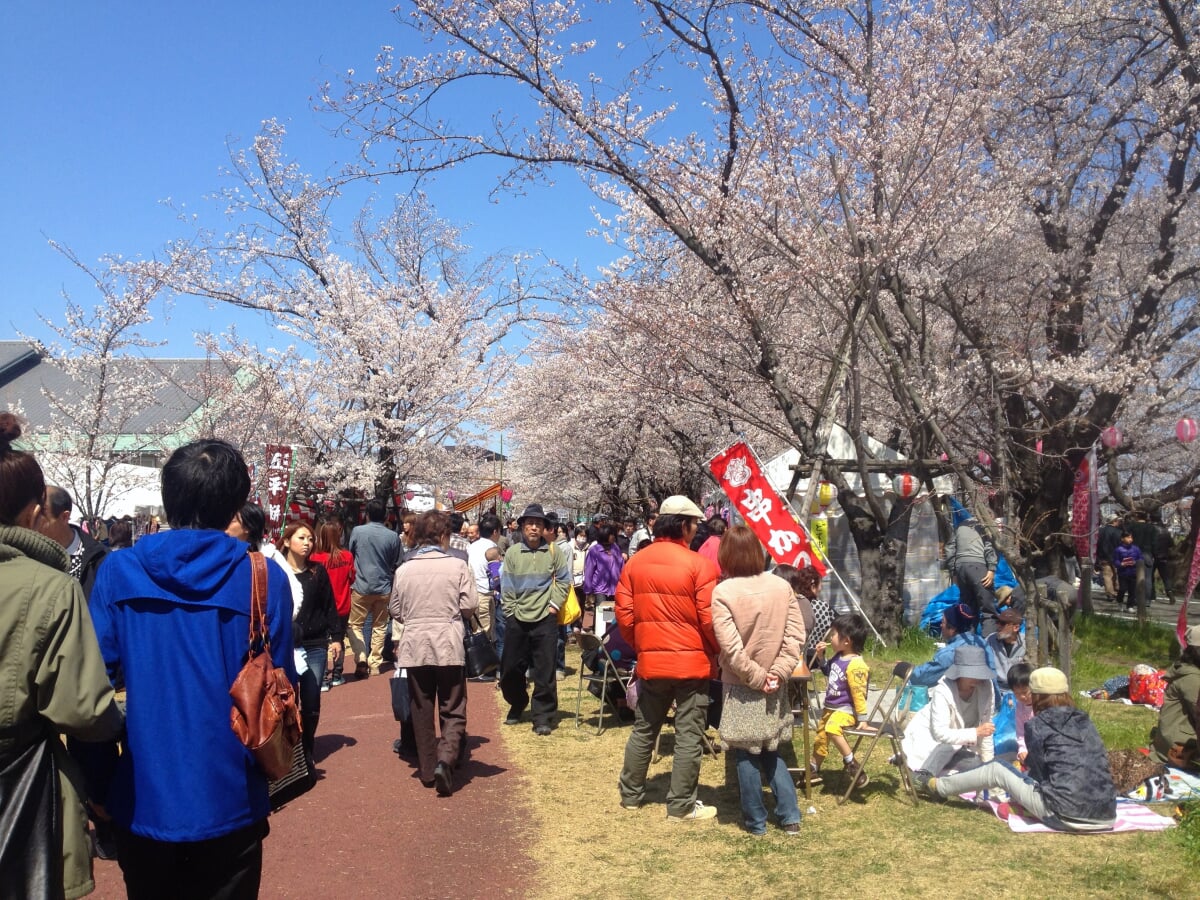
pixel 1181 624
pixel 279 477
pixel 738 472
pixel 1085 511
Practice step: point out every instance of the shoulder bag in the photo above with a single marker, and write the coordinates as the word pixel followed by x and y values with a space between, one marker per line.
pixel 264 715
pixel 481 653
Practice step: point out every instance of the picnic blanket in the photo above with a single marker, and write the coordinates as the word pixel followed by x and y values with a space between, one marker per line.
pixel 1173 787
pixel 1130 817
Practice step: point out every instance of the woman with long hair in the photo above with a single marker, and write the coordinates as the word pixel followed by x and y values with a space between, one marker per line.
pixel 339 564
pixel 432 595
pixel 760 632
pixel 55 684
pixel 316 627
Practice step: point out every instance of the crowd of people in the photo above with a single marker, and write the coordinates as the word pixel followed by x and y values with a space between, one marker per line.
pixel 714 632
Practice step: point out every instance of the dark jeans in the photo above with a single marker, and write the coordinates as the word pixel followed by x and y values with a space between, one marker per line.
pixel 530 645
pixel 222 868
pixel 971 590
pixel 340 666
pixel 310 693
pixel 498 627
pixel 444 689
pixel 1128 588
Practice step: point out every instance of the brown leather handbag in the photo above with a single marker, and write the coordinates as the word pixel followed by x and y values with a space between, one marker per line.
pixel 264 715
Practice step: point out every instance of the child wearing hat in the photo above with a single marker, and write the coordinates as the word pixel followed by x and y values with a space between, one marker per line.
pixel 1069 786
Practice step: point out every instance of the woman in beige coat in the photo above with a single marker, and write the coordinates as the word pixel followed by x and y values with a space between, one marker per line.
pixel 52 682
pixel 760 632
pixel 432 593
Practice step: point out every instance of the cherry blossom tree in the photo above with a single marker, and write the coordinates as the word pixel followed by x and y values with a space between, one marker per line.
pixel 394 337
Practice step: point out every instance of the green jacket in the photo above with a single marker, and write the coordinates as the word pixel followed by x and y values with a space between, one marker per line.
pixel 534 583
pixel 1176 722
pixel 52 678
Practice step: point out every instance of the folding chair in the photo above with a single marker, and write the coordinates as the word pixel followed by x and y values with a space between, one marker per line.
pixel 886 725
pixel 588 643
pixel 799 685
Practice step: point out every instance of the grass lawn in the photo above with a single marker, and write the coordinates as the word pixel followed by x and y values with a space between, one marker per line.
pixel 877 845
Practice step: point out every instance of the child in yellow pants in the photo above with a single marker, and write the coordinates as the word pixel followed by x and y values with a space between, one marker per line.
pixel 846 695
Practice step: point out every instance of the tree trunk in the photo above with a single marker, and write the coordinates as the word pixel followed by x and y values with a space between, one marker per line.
pixel 882 562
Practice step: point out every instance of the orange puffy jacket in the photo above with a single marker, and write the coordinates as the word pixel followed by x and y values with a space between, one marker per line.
pixel 664 610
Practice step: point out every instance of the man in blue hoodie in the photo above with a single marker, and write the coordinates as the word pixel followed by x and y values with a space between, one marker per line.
pixel 173 617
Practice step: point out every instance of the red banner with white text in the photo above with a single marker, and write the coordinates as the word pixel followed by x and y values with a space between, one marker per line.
pixel 1085 508
pixel 742 479
pixel 279 478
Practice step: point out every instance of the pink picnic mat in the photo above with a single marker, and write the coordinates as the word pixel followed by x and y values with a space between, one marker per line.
pixel 1130 817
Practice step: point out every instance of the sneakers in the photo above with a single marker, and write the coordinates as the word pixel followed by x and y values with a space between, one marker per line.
pixel 792 830
pixel 337 681
pixel 541 730
pixel 814 775
pixel 631 804
pixel 926 786
pixel 325 685
pixel 559 674
pixel 514 716
pixel 855 771
pixel 699 813
pixel 482 679
pixel 362 670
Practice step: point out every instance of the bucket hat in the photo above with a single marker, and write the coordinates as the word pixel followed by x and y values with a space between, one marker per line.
pixel 970 662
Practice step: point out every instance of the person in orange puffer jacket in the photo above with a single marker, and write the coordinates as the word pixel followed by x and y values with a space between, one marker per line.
pixel 664 611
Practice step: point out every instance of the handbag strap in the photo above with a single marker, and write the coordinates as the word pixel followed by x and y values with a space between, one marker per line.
pixel 258 603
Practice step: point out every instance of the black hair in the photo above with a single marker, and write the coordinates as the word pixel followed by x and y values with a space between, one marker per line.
pixel 456 522
pixel 1018 675
pixel 853 628
pixel 254 520
pixel 489 524
pixel 58 501
pixel 671 527
pixel 1126 533
pixel 376 510
pixel 605 533
pixel 204 485
pixel 21 478
pixel 1190 654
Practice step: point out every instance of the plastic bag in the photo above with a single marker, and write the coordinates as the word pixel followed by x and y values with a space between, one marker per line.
pixel 1005 720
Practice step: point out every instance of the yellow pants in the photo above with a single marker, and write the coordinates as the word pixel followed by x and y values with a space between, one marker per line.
pixel 832 722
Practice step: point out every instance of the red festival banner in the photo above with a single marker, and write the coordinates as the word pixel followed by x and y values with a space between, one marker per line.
pixel 1181 625
pixel 1084 508
pixel 279 477
pixel 742 479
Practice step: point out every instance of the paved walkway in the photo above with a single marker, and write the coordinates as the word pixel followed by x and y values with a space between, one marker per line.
pixel 370 829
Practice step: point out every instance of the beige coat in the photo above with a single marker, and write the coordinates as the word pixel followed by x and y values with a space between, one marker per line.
pixel 430 593
pixel 52 677
pixel 759 629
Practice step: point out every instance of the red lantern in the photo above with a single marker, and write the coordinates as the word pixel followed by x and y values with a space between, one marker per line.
pixel 985 459
pixel 1038 447
pixel 408 495
pixel 906 485
pixel 1186 430
pixel 506 494
pixel 450 495
pixel 1111 437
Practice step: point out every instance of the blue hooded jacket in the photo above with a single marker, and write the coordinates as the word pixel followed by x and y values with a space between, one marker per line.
pixel 173 618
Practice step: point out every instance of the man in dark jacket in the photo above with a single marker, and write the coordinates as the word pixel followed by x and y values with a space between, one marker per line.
pixel 85 552
pixel 1143 538
pixel 1106 546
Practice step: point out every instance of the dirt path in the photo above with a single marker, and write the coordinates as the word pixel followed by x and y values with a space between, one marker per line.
pixel 369 829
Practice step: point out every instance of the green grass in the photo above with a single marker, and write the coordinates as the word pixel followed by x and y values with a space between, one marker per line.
pixel 1188 833
pixel 1106 646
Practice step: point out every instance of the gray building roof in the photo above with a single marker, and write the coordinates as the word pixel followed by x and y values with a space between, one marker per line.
pixel 181 387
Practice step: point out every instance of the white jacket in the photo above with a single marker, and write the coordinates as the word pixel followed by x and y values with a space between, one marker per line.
pixel 947 723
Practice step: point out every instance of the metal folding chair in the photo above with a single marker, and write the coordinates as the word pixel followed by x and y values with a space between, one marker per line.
pixel 587 643
pixel 887 725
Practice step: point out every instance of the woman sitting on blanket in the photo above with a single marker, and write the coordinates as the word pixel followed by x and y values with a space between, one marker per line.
pixel 954 730
pixel 1068 786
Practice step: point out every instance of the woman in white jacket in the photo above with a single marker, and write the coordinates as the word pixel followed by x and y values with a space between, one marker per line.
pixel 956 725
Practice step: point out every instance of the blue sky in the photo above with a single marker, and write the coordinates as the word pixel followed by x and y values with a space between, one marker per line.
pixel 110 108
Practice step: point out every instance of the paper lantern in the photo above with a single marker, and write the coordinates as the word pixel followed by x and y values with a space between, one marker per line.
pixel 1038 446
pixel 985 459
pixel 826 493
pixel 450 495
pixel 408 495
pixel 1186 430
pixel 1111 437
pixel 906 485
pixel 506 494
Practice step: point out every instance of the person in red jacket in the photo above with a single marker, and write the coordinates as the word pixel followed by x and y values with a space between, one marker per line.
pixel 664 611
pixel 339 563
